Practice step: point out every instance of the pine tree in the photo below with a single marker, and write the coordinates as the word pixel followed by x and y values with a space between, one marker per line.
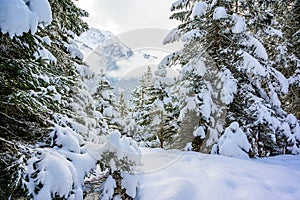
pixel 236 81
pixel 123 106
pixel 141 113
pixel 32 90
pixel 48 115
pixel 163 109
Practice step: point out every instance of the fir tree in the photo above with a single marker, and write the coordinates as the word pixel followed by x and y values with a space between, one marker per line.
pixel 141 113
pixel 237 82
pixel 48 114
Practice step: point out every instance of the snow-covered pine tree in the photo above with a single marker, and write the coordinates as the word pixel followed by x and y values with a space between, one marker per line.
pixel 275 24
pixel 123 105
pixel 35 82
pixel 287 14
pixel 141 101
pixel 237 79
pixel 163 109
pixel 43 132
pixel 206 83
pixel 106 105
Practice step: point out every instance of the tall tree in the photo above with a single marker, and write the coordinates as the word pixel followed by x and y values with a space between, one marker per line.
pixel 236 81
pixel 48 116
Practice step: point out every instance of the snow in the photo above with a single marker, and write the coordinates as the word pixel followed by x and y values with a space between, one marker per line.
pixel 178 3
pixel 45 54
pixel 206 107
pixel 73 49
pixel 42 9
pixel 123 147
pixel 173 36
pixel 274 32
pixel 190 35
pixel 291 128
pixel 275 99
pixel 259 49
pixel 191 175
pixel 219 13
pixel 213 3
pixel 57 175
pixel 47 40
pixel 20 16
pixel 251 65
pixel 199 132
pixel 229 87
pixel 199 9
pixel 284 83
pixel 234 142
pixel 67 138
pixel 108 188
pixel 240 25
pixel 130 183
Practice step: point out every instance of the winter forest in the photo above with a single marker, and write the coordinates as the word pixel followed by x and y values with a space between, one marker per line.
pixel 227 126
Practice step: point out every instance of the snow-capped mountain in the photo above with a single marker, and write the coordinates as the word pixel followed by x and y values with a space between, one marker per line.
pixel 105 53
pixel 102 50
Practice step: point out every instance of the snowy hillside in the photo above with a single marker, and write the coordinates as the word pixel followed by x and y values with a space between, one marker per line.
pixel 177 175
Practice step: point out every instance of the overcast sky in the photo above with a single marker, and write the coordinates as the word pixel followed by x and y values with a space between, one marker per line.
pixel 120 16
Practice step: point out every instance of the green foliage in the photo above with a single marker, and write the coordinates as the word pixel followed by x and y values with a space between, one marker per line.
pixel 225 51
pixel 29 87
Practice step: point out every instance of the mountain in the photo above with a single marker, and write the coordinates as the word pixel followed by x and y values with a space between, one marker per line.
pixel 124 66
pixel 102 50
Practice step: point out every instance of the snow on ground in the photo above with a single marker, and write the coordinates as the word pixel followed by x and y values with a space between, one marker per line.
pixel 189 175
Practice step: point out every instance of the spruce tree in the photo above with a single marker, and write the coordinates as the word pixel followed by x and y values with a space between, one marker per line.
pixel 236 79
pixel 48 115
pixel 141 111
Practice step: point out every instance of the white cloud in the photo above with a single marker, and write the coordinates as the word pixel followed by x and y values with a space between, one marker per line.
pixel 119 16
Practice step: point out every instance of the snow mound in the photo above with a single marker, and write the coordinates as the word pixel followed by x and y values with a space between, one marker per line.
pixel 234 142
pixel 199 9
pixel 240 24
pixel 219 13
pixel 21 16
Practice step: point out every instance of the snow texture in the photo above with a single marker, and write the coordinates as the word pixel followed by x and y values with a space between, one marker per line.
pixel 21 16
pixel 191 35
pixel 291 129
pixel 274 32
pixel 129 183
pixel 199 132
pixel 206 107
pixel 229 87
pixel 57 174
pixel 251 65
pixel 124 147
pixel 284 83
pixel 193 176
pixel 199 9
pixel 234 142
pixel 219 13
pixel 195 66
pixel 173 36
pixel 259 49
pixel 108 188
pixel 74 51
pixel 46 55
pixel 239 24
pixel 178 4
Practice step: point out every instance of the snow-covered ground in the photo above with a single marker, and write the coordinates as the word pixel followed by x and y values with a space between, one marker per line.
pixel 180 175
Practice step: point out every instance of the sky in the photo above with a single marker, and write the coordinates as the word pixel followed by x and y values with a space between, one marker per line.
pixel 118 16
